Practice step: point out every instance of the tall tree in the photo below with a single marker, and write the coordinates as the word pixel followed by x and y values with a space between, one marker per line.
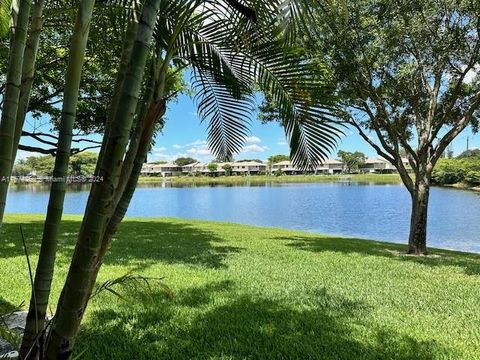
pixel 20 15
pixel 28 71
pixel 45 267
pixel 71 305
pixel 406 71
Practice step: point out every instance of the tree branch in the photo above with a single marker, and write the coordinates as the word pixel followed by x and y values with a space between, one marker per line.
pixel 455 130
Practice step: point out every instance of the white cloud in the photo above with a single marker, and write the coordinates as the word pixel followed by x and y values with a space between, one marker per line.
pixel 197 142
pixel 282 143
pixel 253 149
pixel 253 140
pixel 199 151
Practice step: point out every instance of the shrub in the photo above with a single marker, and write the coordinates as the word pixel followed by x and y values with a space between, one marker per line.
pixel 473 177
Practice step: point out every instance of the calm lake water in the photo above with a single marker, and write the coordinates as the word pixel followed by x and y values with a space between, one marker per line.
pixel 379 212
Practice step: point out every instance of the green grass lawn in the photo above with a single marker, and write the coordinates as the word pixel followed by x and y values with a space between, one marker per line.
pixel 245 292
pixel 262 179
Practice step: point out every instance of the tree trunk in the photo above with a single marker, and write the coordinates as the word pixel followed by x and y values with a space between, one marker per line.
pixel 28 71
pixel 72 303
pixel 46 261
pixel 155 112
pixel 11 98
pixel 417 242
pixel 124 61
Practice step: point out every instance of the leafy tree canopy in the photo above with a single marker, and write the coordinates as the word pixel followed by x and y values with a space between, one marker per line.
pixel 404 69
pixel 80 164
pixel 182 161
pixel 277 158
pixel 248 160
pixel 212 167
pixel 352 160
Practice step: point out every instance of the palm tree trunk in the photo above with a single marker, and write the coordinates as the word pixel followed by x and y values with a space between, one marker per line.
pixel 151 111
pixel 138 155
pixel 156 111
pixel 72 303
pixel 124 61
pixel 28 71
pixel 46 262
pixel 134 143
pixel 11 98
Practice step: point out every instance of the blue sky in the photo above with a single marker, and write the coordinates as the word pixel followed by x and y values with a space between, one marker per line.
pixel 185 135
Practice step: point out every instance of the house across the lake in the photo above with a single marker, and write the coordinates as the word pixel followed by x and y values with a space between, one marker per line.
pixel 381 165
pixel 329 166
pixel 168 169
pixel 198 168
pixel 249 168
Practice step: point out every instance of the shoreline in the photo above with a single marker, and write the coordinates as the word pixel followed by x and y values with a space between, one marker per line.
pixel 367 178
pixel 373 179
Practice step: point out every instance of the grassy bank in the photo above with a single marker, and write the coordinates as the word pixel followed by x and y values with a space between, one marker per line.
pixel 246 292
pixel 261 179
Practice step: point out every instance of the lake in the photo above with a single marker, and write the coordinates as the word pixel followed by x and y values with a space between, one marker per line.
pixel 372 211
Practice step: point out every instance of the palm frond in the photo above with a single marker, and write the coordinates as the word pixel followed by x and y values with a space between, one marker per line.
pixel 228 115
pixel 230 64
pixel 4 18
pixel 304 102
pixel 132 281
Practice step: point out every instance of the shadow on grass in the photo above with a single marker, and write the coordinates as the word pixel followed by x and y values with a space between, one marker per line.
pixel 223 325
pixel 469 262
pixel 138 243
pixel 7 307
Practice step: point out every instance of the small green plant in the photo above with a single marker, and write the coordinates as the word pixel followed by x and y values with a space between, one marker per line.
pixel 133 282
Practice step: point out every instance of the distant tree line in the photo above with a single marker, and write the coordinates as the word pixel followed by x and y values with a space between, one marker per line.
pixel 80 164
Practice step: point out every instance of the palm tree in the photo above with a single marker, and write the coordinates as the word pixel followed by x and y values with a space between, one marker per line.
pixel 28 70
pixel 45 266
pixel 20 14
pixel 67 319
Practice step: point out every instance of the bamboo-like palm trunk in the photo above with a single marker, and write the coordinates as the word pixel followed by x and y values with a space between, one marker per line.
pixel 127 168
pixel 151 111
pixel 156 111
pixel 28 71
pixel 124 61
pixel 72 303
pixel 11 97
pixel 134 143
pixel 137 154
pixel 46 261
